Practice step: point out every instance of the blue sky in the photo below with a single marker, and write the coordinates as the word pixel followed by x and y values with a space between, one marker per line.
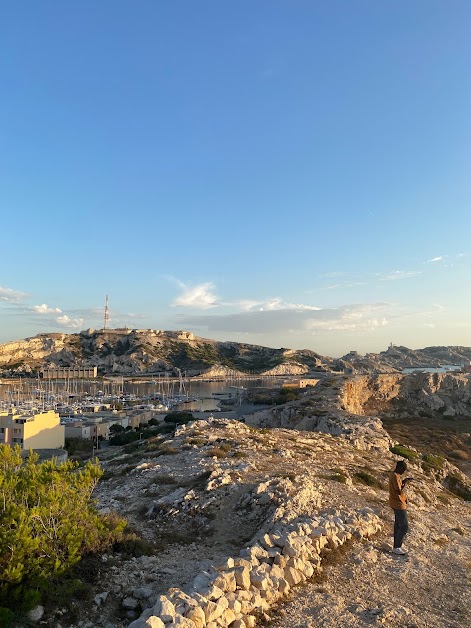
pixel 281 172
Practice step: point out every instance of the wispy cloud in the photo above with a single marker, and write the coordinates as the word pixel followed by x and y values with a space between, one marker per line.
pixel 433 260
pixel 279 304
pixel 11 296
pixel 399 274
pixel 295 319
pixel 345 284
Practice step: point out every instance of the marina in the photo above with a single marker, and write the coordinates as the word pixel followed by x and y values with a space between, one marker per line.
pixel 72 397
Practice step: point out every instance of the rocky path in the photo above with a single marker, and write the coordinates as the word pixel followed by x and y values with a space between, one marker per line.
pixel 430 588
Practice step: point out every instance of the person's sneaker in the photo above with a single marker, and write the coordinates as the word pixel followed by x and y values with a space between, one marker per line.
pixel 399 551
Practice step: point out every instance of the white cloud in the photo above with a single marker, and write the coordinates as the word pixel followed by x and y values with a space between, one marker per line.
pixel 279 304
pixel 43 309
pixel 65 321
pixel 439 258
pixel 400 274
pixel 200 296
pixel 298 320
pixel 11 296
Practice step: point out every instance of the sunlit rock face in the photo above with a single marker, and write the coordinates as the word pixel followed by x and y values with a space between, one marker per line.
pixel 139 351
pixel 445 393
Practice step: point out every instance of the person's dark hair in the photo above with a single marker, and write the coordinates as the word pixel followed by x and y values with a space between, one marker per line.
pixel 401 466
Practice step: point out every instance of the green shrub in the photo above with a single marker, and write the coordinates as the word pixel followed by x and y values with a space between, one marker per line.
pixel 166 428
pixel 405 452
pixel 78 446
pixel 335 477
pixel 134 547
pixel 339 476
pixel 179 417
pixel 431 462
pixel 6 617
pixel 366 478
pixel 124 438
pixel 47 523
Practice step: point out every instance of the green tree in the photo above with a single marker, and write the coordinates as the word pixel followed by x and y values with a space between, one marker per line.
pixel 116 428
pixel 47 521
pixel 179 417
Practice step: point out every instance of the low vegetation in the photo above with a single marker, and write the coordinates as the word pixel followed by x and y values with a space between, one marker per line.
pixel 78 446
pixel 179 417
pixel 404 452
pixel 275 397
pixel 432 463
pixel 47 525
pixel 364 477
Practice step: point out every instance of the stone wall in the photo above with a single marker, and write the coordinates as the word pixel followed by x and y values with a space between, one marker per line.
pixel 286 552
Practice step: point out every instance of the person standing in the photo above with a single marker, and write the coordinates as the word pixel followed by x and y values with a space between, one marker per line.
pixel 398 502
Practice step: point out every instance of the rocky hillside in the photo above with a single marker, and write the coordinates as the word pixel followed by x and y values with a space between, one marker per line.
pixel 133 352
pixel 152 352
pixel 246 525
pixel 431 410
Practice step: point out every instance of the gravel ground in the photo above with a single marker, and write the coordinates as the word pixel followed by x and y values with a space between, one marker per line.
pixel 429 588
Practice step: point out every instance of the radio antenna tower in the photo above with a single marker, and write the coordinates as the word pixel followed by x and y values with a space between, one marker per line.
pixel 107 315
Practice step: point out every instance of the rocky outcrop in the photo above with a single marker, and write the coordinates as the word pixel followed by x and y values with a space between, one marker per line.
pixel 289 368
pixel 219 370
pixel 31 351
pixel 323 409
pixel 448 394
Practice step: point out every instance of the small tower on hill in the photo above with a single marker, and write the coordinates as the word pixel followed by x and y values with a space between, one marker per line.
pixel 106 322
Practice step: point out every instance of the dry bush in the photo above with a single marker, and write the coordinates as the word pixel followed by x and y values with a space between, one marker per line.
pixel 459 454
pixel 218 452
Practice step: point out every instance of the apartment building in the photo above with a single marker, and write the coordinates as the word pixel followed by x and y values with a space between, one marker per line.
pixel 95 426
pixel 32 430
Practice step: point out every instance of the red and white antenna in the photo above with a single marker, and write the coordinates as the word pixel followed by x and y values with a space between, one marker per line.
pixel 107 315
